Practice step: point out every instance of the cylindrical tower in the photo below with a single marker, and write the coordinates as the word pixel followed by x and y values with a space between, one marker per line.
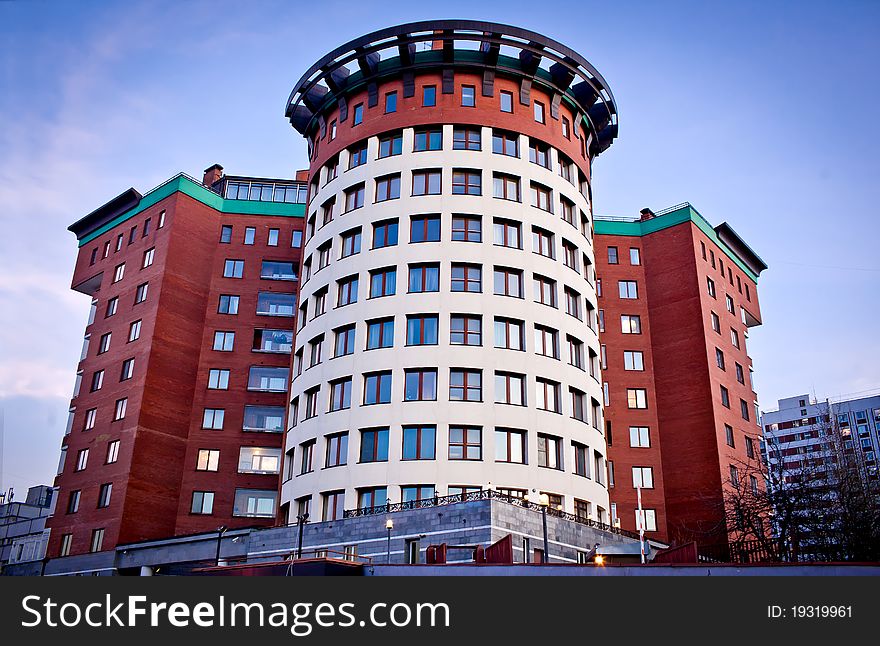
pixel 447 329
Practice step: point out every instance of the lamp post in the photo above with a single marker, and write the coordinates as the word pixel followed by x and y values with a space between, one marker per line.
pixel 389 525
pixel 544 502
pixel 300 521
pixel 220 531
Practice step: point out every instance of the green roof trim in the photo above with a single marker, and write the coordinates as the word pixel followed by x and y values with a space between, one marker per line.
pixel 685 213
pixel 188 186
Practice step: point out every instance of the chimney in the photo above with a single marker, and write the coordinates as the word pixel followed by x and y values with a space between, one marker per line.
pixel 212 175
pixel 647 214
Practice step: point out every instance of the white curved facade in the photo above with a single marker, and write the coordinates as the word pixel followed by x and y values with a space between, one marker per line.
pixel 582 487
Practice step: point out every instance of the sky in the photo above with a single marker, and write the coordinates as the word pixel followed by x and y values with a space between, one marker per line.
pixel 761 114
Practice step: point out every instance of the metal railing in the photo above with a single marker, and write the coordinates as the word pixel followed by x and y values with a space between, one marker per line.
pixel 484 494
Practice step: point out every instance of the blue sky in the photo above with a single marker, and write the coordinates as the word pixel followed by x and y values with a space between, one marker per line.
pixel 760 114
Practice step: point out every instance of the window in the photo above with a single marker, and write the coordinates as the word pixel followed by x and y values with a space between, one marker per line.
pixel 429 96
pixel 340 394
pixel 428 139
pixel 268 378
pixel 149 254
pixel 424 278
pixel 415 493
pixel 372 498
pixel 97 541
pixel 710 284
pixel 573 305
pixel 254 503
pixel 218 379
pixel 337 450
pixel 347 291
pixel 506 100
pixel 307 456
pixel 233 268
pixel 465 443
pixel 542 242
pixel 465 385
pixel 505 187
pixel 740 375
pixel 539 112
pixel 566 128
pixel 421 329
pixel 634 256
pixel 212 418
pixel 545 290
pixel 377 388
pixel 750 448
pixel 466 139
pixel 351 243
pixel 354 197
pixel 546 341
pixel 104 494
pixel 140 294
pixel 208 460
pixel 628 289
pixel 390 145
pixel 250 233
pixel 467 182
pixel 82 460
pixel 505 143
pixel 507 233
pixel 466 228
pixel 509 334
pixel 270 304
pixel 744 409
pixel 581 462
pixel 734 476
pixel 127 371
pixel 73 501
pixel 636 398
pixel 226 234
pixel 730 307
pixel 510 388
pixel 549 451
pixel 380 333
pixel 118 273
pixel 223 341
pixel 424 228
pixel 426 182
pixel 547 395
pixel 357 155
pixel 725 397
pixel 578 405
pixel 633 360
pixel 104 344
pixel 575 352
pixel 112 306
pixel 466 278
pixel 358 114
pixel 719 358
pixel 419 442
pixel 296 239
pixel 646 519
pixel 228 304
pixel 510 445
pixel 570 256
pixel 465 329
pixel 385 234
pixel 390 102
pixel 344 341
pixel 374 445
pixel 539 153
pixel 420 384
pixel 134 331
pixel 97 380
pixel 643 477
pixel 508 282
pixel 383 282
pixel 388 187
pixel 734 338
pixel 541 197
pixel 716 323
pixel 89 423
pixel 728 436
pixel 468 96
pixel 612 256
pixel 639 437
pixel 202 502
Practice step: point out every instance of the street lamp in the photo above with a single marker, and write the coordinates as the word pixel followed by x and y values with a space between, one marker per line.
pixel 220 531
pixel 300 520
pixel 544 502
pixel 389 525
